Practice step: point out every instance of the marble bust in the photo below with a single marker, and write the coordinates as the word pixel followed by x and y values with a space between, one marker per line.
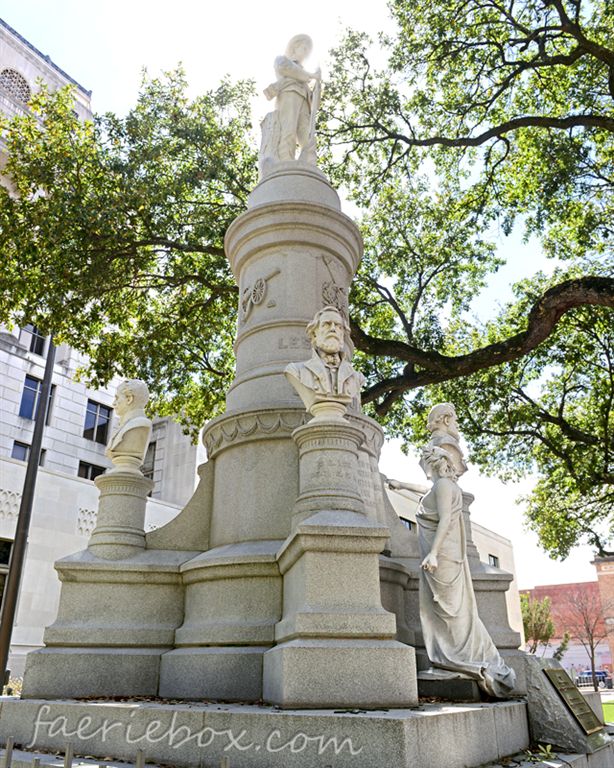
pixel 456 640
pixel 292 121
pixel 129 441
pixel 327 375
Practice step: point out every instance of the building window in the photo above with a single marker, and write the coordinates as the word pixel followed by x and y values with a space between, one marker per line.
pixel 21 452
pixel 407 523
pixel 149 461
pixel 97 418
pixel 5 558
pixel 37 341
pixel 30 397
pixel 493 560
pixel 89 471
pixel 15 84
pixel 5 551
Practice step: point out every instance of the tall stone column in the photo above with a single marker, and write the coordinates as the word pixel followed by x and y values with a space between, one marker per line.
pixel 292 253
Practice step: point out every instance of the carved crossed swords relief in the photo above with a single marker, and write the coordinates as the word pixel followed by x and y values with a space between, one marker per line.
pixel 255 294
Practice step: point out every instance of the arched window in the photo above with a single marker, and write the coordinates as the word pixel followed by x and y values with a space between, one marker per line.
pixel 15 84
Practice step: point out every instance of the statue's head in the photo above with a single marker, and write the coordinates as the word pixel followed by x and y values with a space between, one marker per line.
pixel 439 461
pixel 443 417
pixel 299 47
pixel 131 395
pixel 328 330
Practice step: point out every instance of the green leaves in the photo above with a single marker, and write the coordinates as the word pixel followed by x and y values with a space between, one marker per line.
pixel 489 117
pixel 537 622
pixel 114 240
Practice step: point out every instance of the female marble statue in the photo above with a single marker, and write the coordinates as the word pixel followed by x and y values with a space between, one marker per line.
pixel 454 636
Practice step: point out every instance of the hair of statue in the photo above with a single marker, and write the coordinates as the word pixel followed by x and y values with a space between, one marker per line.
pixel 311 327
pixel 440 460
pixel 441 410
pixel 139 391
pixel 297 40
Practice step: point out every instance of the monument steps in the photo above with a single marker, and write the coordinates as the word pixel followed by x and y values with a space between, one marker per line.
pixel 603 758
pixel 195 735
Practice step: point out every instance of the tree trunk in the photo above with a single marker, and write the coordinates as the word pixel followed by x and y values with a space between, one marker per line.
pixel 594 676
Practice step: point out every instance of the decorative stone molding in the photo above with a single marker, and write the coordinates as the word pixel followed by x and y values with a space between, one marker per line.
pixel 86 521
pixel 16 84
pixel 311 225
pixel 251 425
pixel 244 427
pixel 9 504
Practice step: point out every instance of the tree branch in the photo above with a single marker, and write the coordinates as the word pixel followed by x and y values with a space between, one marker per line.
pixel 435 368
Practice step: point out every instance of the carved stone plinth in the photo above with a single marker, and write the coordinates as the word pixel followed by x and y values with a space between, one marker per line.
pixel 335 642
pixel 232 604
pixel 394 579
pixel 328 467
pixel 119 531
pixel 115 620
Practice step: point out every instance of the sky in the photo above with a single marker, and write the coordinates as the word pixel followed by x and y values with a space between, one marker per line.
pixel 106 45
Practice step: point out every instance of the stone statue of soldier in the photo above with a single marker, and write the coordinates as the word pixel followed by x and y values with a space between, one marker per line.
pixel 291 123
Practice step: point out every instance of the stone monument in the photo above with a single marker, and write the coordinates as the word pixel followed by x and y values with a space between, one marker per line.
pixel 222 603
pixel 287 582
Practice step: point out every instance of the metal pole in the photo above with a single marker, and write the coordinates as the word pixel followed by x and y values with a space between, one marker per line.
pixel 8 753
pixel 18 551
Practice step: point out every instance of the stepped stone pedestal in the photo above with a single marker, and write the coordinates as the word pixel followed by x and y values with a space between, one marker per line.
pixel 119 531
pixel 246 594
pixel 287 578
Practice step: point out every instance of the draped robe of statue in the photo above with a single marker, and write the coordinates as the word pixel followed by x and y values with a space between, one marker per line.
pixel 454 636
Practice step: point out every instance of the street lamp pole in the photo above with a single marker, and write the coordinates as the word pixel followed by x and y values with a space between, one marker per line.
pixel 18 551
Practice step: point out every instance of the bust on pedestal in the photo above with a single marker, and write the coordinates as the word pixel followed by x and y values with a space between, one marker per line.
pixel 335 641
pixel 327 377
pixel 123 489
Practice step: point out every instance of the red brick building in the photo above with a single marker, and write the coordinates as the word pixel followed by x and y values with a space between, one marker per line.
pixel 580 609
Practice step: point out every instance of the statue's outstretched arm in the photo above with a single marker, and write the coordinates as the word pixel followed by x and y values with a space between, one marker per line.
pixel 399 485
